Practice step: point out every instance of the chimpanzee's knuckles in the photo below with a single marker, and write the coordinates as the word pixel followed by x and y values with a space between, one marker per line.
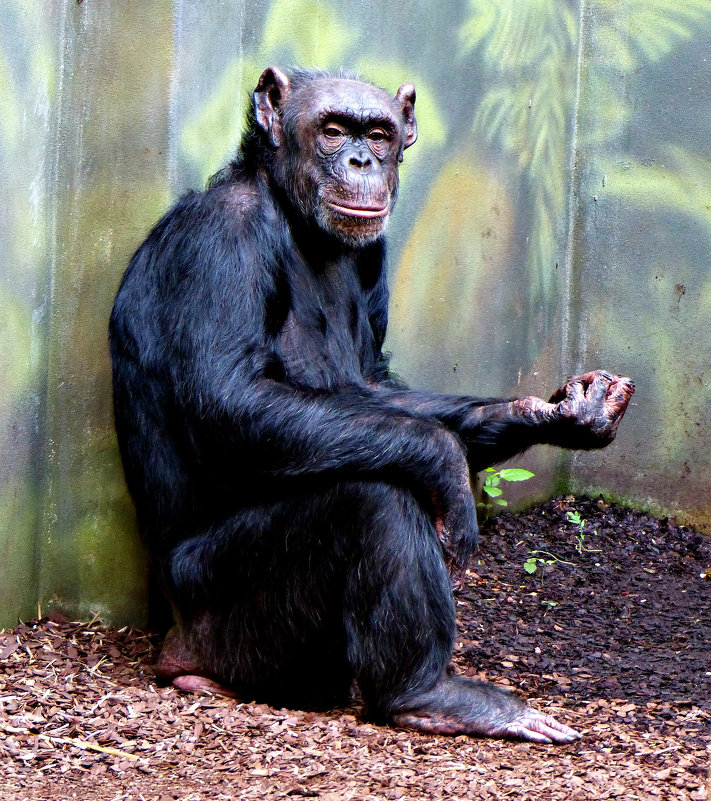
pixel 586 379
pixel 598 390
pixel 567 391
pixel 462 529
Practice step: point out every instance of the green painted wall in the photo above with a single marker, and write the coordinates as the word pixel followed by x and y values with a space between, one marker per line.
pixel 555 215
pixel 642 244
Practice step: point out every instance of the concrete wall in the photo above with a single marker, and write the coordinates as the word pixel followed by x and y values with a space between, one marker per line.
pixel 555 215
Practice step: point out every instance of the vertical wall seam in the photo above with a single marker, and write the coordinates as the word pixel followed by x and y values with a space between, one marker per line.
pixel 570 322
pixel 47 517
pixel 570 315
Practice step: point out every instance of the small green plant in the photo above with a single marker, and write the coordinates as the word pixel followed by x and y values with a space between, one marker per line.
pixel 575 518
pixel 531 564
pixel 492 489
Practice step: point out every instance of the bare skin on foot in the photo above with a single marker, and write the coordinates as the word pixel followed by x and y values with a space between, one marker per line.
pixel 192 683
pixel 457 705
pixel 178 665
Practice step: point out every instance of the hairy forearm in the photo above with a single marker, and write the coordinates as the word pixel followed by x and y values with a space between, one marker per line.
pixel 492 429
pixel 583 414
pixel 495 432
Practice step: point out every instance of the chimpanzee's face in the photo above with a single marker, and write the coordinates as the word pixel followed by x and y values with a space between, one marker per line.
pixel 342 142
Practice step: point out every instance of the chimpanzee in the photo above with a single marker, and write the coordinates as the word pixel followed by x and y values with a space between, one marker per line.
pixel 300 505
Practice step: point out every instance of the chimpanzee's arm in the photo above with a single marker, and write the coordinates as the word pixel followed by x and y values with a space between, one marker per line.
pixel 285 433
pixel 492 429
pixel 584 413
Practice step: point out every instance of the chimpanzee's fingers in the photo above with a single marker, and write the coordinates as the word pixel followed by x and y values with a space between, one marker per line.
pixel 575 390
pixel 600 384
pixel 625 385
pixel 596 385
pixel 563 393
pixel 620 395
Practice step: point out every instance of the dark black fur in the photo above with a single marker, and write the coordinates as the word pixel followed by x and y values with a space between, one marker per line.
pixel 287 487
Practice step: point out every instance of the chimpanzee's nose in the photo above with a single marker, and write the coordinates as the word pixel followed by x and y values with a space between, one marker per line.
pixel 360 160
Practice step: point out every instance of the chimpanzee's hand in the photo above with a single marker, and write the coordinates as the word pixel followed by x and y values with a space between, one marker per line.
pixel 457 527
pixel 453 503
pixel 588 409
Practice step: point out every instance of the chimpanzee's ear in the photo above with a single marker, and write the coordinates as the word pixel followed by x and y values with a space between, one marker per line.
pixel 406 100
pixel 269 96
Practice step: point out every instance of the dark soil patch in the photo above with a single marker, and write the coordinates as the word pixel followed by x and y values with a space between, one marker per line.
pixel 611 634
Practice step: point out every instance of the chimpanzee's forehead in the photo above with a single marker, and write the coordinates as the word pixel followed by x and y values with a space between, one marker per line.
pixel 346 96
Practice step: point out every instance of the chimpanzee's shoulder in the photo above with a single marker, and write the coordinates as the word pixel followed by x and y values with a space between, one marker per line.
pixel 198 230
pixel 233 203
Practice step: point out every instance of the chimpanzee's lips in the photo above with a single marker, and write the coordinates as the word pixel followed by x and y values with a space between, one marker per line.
pixel 364 212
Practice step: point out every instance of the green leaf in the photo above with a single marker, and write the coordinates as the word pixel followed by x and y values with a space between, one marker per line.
pixel 516 474
pixel 493 491
pixel 500 502
pixel 530 566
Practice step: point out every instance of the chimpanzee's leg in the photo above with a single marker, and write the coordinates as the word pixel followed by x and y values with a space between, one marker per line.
pixel 275 603
pixel 400 625
pixel 288 602
pixel 398 607
pixel 259 604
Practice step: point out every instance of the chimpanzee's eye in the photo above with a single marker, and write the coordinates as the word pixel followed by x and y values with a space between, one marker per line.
pixel 377 135
pixel 333 131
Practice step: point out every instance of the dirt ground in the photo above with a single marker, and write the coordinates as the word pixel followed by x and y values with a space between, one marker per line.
pixel 610 633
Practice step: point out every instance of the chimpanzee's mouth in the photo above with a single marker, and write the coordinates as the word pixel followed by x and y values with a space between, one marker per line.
pixel 362 212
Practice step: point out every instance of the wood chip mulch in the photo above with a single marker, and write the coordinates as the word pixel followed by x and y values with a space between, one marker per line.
pixel 611 634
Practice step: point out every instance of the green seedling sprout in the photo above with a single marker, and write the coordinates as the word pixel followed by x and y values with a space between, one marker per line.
pixel 575 518
pixel 492 489
pixel 531 564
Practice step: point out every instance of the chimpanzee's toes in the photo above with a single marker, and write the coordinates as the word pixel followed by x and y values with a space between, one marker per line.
pixel 535 727
pixel 200 684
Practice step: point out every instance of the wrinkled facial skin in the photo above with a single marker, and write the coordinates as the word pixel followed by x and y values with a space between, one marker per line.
pixel 342 141
pixel 350 143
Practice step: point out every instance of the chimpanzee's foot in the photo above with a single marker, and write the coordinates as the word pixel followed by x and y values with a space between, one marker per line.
pixel 201 684
pixel 176 658
pixel 177 664
pixel 457 705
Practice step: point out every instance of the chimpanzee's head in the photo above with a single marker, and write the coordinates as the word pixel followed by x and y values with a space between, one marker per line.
pixel 335 147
